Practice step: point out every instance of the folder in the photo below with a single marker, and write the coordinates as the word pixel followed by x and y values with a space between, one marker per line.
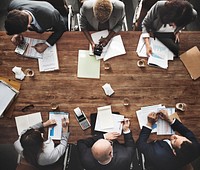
pixel 191 60
pixel 14 87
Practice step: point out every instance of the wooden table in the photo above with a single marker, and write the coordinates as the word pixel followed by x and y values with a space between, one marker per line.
pixel 143 87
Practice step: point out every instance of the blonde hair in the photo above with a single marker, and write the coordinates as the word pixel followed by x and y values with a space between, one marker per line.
pixel 102 10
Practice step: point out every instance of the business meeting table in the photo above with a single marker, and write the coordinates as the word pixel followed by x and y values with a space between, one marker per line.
pixel 142 86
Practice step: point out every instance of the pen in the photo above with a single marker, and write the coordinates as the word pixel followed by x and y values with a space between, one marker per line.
pixel 142 47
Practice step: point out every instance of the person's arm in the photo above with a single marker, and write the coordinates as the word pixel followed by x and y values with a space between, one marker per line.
pixel 60 149
pixel 105 41
pixel 89 38
pixel 141 143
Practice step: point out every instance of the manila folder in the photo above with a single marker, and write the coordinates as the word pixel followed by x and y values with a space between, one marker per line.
pixel 191 60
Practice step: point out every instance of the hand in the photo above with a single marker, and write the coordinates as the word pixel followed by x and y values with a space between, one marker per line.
pixel 111 135
pixel 17 39
pixel 103 41
pixel 126 125
pixel 152 118
pixel 40 47
pixel 49 122
pixel 177 40
pixel 163 114
pixel 65 124
pixel 148 50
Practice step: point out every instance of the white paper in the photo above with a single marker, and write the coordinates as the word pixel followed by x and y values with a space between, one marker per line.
pixel 104 117
pixel 88 66
pixel 30 50
pixel 117 124
pixel 49 61
pixel 161 54
pixel 55 132
pixel 108 89
pixel 7 94
pixel 25 121
pixel 163 127
pixel 115 46
pixel 144 112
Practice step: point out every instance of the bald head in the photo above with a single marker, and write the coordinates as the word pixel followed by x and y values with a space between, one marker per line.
pixel 102 151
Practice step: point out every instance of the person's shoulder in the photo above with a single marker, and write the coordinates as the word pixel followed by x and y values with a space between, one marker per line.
pixel 88 4
pixel 160 3
pixel 117 3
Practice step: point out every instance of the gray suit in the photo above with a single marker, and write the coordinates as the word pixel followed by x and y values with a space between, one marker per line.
pixel 48 18
pixel 115 20
pixel 152 21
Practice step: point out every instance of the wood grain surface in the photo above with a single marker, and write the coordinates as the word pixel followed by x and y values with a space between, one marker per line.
pixel 143 87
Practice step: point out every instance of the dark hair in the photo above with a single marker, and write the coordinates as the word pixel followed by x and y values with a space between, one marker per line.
pixel 32 143
pixel 187 150
pixel 179 12
pixel 16 22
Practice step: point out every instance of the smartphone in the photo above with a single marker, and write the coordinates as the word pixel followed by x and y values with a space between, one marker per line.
pixel 81 118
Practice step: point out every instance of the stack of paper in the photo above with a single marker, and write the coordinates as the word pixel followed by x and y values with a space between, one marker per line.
pixel 115 47
pixel 161 127
pixel 161 54
pixel 108 122
pixel 48 60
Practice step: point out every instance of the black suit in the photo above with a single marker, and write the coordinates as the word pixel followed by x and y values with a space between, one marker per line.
pixel 159 155
pixel 48 18
pixel 122 154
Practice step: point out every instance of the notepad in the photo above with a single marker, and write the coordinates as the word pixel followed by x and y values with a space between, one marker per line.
pixel 25 121
pixel 7 95
pixel 88 66
pixel 55 132
pixel 191 60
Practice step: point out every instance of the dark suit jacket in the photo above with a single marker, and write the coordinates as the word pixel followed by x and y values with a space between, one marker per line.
pixel 159 156
pixel 122 154
pixel 48 18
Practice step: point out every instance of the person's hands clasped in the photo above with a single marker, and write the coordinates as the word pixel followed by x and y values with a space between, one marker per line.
pixel 50 122
pixel 126 125
pixel 65 124
pixel 111 135
pixel 163 114
pixel 40 47
pixel 17 39
pixel 152 118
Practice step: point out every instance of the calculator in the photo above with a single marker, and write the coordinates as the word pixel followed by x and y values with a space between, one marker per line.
pixel 81 118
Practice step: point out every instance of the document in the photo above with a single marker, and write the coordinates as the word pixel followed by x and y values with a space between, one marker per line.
pixel 191 60
pixel 7 95
pixel 114 48
pixel 143 113
pixel 161 54
pixel 49 61
pixel 88 66
pixel 55 132
pixel 163 127
pixel 25 121
pixel 106 121
pixel 27 48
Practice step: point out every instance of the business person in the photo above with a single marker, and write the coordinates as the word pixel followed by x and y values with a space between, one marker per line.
pixel 169 154
pixel 35 150
pixel 39 16
pixel 105 152
pixel 164 21
pixel 97 15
